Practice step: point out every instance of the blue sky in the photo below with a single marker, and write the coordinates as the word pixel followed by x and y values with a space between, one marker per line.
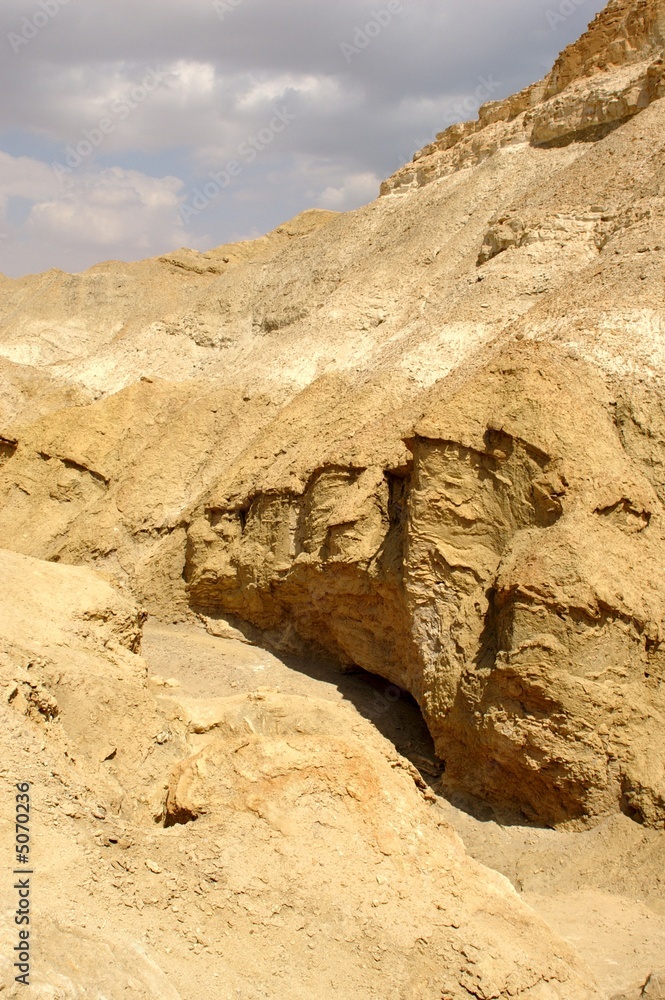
pixel 134 127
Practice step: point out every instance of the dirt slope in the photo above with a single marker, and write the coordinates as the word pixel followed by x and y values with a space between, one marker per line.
pixel 347 881
pixel 426 439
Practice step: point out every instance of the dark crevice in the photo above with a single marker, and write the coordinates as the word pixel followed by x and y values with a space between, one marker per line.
pixel 179 818
pixel 77 467
pixel 398 491
pixel 8 448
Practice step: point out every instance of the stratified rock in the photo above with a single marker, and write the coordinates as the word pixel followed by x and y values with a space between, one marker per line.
pixel 612 73
pixel 427 437
pixel 331 825
pixel 511 578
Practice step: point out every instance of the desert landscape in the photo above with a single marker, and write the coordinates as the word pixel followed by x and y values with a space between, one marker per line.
pixel 333 626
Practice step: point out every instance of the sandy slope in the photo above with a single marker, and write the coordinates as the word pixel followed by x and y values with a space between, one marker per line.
pixel 425 438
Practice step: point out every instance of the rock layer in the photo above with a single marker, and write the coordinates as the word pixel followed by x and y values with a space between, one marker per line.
pixel 493 577
pixel 426 437
pixel 612 73
pixel 144 799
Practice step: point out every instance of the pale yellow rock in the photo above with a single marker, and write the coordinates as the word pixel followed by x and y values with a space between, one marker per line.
pixel 427 436
pixel 297 783
pixel 296 829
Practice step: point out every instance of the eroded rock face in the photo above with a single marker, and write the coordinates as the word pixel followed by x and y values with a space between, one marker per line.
pixel 505 567
pixel 611 74
pixel 541 536
pixel 511 579
pixel 332 824
pixel 272 842
pixel 327 563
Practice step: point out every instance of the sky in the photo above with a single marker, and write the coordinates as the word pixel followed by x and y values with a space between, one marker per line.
pixel 134 127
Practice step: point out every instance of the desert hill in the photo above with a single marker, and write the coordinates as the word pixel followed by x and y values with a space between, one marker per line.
pixel 425 439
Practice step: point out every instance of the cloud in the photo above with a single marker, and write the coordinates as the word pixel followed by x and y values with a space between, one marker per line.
pixel 23 177
pixel 95 215
pixel 180 88
pixel 108 210
pixel 356 190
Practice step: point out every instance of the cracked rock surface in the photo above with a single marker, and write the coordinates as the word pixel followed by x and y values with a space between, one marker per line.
pixel 420 446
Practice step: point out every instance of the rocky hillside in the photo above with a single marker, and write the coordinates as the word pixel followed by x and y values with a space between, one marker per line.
pixel 144 796
pixel 610 75
pixel 425 438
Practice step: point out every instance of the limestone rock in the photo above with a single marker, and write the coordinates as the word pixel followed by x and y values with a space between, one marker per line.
pixel 613 72
pixel 493 578
pixel 300 826
pixel 426 437
pixel 298 782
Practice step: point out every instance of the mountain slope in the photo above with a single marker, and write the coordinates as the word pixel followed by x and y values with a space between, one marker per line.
pixel 427 436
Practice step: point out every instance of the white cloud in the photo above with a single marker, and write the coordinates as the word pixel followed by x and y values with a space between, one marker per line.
pixel 267 91
pixel 355 191
pixel 193 80
pixel 23 177
pixel 219 85
pixel 111 209
pixel 96 214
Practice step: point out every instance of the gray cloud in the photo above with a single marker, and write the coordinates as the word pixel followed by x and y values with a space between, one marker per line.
pixel 362 104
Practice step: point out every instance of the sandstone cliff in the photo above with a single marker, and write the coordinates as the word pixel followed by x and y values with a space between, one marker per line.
pixel 343 857
pixel 427 436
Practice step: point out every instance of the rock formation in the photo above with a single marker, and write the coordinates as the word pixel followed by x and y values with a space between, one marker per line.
pixel 612 73
pixel 333 828
pixel 426 439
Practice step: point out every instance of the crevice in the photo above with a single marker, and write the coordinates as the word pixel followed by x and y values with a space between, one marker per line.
pixel 8 448
pixel 179 818
pixel 77 467
pixel 398 491
pixel 627 804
